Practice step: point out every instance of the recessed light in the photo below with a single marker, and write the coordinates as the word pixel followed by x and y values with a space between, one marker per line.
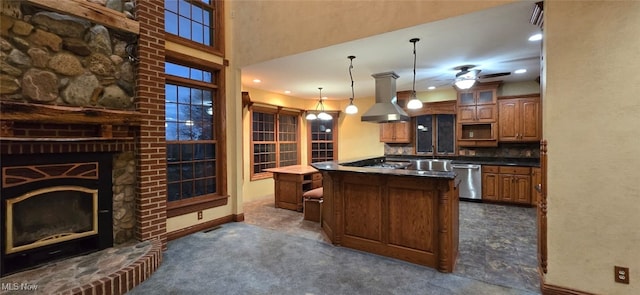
pixel 431 87
pixel 535 37
pixel 256 81
pixel 520 71
pixel 287 92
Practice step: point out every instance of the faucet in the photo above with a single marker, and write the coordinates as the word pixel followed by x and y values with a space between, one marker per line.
pixel 433 151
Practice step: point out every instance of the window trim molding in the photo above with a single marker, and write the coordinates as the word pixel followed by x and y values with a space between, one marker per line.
pixel 276 110
pixel 218 37
pixel 336 117
pixel 194 204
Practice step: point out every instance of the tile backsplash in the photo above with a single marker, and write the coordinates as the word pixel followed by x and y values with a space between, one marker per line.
pixel 504 150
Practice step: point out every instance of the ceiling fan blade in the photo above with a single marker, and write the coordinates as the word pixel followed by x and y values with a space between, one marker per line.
pixel 494 75
pixel 461 73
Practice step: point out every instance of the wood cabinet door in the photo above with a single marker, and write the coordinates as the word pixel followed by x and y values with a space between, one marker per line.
pixel 490 186
pixel 486 113
pixel 402 132
pixel 486 96
pixel 530 127
pixel 522 189
pixel 466 98
pixel 508 121
pixel 466 114
pixel 387 132
pixel 395 132
pixel 506 188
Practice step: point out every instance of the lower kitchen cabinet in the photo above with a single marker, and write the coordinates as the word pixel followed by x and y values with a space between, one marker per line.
pixel 506 184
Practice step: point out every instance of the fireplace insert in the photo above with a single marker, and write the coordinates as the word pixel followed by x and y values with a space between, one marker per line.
pixel 54 207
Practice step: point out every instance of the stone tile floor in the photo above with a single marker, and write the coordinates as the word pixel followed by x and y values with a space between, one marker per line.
pixel 497 242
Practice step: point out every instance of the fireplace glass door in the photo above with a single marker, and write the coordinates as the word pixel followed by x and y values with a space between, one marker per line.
pixel 50 215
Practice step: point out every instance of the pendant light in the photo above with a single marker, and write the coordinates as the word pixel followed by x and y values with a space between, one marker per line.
pixel 351 108
pixel 322 115
pixel 414 102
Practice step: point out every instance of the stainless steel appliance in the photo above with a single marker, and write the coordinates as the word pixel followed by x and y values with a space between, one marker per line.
pixel 469 180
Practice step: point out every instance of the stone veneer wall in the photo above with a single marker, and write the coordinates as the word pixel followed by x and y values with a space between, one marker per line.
pixel 51 58
pixel 124 193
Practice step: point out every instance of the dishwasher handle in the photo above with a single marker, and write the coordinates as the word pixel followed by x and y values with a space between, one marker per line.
pixel 467 166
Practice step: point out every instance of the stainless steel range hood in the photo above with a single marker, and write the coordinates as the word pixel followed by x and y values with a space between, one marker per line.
pixel 385 109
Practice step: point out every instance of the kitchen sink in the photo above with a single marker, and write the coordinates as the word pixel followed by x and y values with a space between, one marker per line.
pixel 430 165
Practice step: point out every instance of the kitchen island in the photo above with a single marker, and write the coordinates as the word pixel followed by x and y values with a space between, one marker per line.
pixel 405 214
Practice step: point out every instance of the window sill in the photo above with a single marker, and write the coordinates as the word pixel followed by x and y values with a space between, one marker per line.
pixel 181 207
pixel 261 176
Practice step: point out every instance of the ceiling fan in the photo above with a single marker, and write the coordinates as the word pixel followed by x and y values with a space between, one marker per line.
pixel 466 77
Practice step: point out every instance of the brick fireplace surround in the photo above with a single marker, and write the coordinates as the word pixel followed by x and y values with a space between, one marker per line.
pixel 142 139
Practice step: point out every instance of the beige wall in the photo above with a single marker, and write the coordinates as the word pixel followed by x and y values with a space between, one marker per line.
pixel 269 29
pixel 591 114
pixel 519 88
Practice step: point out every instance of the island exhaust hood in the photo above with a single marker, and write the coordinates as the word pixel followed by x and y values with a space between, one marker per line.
pixel 385 109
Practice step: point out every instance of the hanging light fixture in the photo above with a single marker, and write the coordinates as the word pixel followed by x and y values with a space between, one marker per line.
pixel 414 102
pixel 322 115
pixel 466 78
pixel 351 108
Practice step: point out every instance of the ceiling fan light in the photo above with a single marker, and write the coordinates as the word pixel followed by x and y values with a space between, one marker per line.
pixel 465 83
pixel 414 104
pixel 351 109
pixel 311 116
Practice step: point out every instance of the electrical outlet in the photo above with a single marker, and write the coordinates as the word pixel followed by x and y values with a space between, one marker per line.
pixel 621 274
pixel 199 215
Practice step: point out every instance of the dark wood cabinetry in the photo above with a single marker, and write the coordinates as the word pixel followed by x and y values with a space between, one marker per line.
pixel 477 115
pixel 291 182
pixel 412 218
pixel 520 119
pixel 507 184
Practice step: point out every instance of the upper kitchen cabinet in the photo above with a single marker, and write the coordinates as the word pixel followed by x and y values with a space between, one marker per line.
pixel 399 132
pixel 435 135
pixel 477 115
pixel 520 119
pixel 478 104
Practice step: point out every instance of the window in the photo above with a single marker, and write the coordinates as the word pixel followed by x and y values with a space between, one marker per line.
pixel 192 109
pixel 323 140
pixel 443 137
pixel 198 21
pixel 274 140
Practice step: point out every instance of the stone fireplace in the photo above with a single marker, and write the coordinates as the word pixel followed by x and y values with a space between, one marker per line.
pixel 54 207
pixel 80 88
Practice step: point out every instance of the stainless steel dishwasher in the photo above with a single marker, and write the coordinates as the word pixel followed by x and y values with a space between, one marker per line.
pixel 469 180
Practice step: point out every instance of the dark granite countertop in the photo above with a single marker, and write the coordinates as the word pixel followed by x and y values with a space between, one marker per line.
pixel 349 166
pixel 524 162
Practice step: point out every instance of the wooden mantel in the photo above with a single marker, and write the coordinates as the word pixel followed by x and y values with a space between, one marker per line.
pixel 28 112
pixel 92 12
pixel 104 119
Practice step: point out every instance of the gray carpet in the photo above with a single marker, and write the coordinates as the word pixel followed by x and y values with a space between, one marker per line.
pixel 239 258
